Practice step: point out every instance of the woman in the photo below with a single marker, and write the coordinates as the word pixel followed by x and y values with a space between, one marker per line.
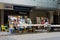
pixel 42 22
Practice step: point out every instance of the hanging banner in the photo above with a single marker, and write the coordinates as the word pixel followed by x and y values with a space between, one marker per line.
pixel 38 20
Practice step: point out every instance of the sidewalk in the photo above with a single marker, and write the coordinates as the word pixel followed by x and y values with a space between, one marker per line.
pixel 7 33
pixel 4 33
pixel 37 36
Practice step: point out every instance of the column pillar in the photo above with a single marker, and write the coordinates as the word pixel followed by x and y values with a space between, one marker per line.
pixel 2 17
pixel 51 16
pixel 58 16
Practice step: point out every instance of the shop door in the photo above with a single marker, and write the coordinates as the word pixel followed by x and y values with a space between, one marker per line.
pixel 59 19
pixel 55 19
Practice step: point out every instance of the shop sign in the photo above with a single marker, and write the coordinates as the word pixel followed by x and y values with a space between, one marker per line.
pixel 24 9
pixel 1 6
pixel 8 6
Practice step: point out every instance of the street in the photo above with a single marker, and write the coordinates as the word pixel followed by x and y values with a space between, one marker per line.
pixel 34 36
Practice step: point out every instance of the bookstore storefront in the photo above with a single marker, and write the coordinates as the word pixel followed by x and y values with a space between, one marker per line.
pixel 11 14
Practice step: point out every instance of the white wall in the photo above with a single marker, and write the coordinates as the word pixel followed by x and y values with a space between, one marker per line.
pixel 40 3
pixel 58 4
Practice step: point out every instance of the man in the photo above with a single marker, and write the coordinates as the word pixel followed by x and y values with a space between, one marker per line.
pixel 28 21
pixel 21 21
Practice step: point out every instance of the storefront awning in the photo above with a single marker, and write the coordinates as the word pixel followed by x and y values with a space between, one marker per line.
pixel 22 8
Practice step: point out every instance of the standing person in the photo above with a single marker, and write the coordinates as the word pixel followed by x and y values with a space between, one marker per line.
pixel 21 21
pixel 15 24
pixel 11 18
pixel 28 21
pixel 42 22
pixel 18 24
pixel 11 27
pixel 26 17
pixel 46 20
pixel 46 24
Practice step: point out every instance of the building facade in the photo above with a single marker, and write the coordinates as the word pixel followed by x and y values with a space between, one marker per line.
pixel 36 3
pixel 46 8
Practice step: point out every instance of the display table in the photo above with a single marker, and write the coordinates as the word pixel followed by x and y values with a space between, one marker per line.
pixel 32 25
